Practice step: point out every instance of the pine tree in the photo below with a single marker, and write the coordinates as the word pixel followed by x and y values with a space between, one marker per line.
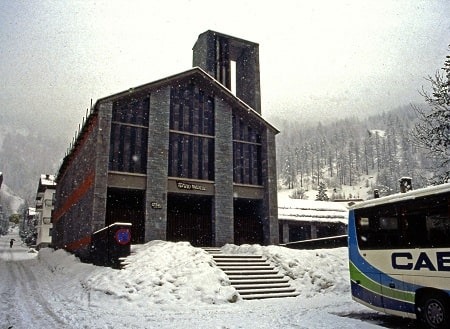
pixel 322 193
pixel 432 131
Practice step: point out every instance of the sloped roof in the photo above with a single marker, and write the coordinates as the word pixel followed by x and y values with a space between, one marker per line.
pixel 197 72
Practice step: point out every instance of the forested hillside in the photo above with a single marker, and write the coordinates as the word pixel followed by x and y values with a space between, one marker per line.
pixel 375 151
pixel 27 153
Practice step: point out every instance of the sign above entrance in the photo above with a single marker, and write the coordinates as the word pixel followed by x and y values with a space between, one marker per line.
pixel 190 186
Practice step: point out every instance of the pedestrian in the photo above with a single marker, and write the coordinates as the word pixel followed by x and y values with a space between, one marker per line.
pixel 11 242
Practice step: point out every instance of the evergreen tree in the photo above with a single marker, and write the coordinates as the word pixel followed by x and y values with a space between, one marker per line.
pixel 322 193
pixel 432 131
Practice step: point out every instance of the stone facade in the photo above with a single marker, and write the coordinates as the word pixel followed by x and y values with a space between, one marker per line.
pixel 156 216
pixel 181 158
pixel 223 199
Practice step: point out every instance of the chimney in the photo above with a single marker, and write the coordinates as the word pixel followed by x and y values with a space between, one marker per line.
pixel 405 184
pixel 376 194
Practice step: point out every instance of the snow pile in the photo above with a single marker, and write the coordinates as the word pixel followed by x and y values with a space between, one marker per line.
pixel 166 272
pixel 161 272
pixel 171 285
pixel 158 272
pixel 313 272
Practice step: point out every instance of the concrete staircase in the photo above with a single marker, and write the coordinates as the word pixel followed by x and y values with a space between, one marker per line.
pixel 252 275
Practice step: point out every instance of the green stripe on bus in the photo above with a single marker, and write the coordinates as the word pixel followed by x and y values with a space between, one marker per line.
pixel 367 283
pixel 363 280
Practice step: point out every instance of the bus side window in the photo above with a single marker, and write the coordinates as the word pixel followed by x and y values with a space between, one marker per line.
pixel 362 226
pixel 415 236
pixel 389 232
pixel 438 222
pixel 438 228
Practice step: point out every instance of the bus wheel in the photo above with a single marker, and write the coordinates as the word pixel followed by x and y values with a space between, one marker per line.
pixel 435 311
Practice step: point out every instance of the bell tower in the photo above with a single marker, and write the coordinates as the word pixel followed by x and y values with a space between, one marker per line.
pixel 214 52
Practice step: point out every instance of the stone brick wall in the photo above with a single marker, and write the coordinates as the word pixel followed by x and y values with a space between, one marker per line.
pixel 270 208
pixel 223 202
pixel 103 138
pixel 157 165
pixel 73 214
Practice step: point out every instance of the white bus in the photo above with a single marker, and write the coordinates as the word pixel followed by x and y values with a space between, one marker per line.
pixel 399 251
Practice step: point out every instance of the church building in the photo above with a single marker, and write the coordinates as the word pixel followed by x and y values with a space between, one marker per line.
pixel 183 158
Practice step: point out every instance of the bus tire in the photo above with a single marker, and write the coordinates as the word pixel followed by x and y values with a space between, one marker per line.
pixel 435 311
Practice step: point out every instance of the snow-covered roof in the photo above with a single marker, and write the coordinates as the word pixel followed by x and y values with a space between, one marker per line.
pixel 310 211
pixel 48 180
pixel 381 133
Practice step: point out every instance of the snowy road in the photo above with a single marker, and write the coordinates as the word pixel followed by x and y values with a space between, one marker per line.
pixel 54 290
pixel 22 300
pixel 24 297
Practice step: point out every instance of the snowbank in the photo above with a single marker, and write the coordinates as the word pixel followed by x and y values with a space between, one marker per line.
pixel 158 272
pixel 313 272
pixel 161 272
pixel 171 285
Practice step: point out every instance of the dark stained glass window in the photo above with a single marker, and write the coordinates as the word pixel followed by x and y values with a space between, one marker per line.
pixel 191 143
pixel 246 153
pixel 129 134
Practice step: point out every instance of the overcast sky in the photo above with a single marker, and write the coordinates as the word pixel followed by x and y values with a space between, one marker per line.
pixel 320 59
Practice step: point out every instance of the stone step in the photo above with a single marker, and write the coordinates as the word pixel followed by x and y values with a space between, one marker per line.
pixel 262 280
pixel 263 285
pixel 250 264
pixel 247 268
pixel 238 256
pixel 265 291
pixel 271 295
pixel 238 276
pixel 250 271
pixel 240 260
pixel 253 276
pixel 213 250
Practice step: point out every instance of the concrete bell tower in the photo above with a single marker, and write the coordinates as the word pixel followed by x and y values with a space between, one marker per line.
pixel 214 52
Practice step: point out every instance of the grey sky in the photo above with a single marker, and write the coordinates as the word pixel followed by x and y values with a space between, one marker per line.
pixel 320 59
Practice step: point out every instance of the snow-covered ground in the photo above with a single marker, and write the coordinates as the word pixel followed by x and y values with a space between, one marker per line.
pixel 310 210
pixel 170 285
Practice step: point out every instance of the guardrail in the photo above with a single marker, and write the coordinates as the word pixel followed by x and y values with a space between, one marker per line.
pixel 320 243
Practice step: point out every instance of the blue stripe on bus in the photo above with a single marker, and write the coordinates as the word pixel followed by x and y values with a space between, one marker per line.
pixel 369 270
pixel 381 301
pixel 366 295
